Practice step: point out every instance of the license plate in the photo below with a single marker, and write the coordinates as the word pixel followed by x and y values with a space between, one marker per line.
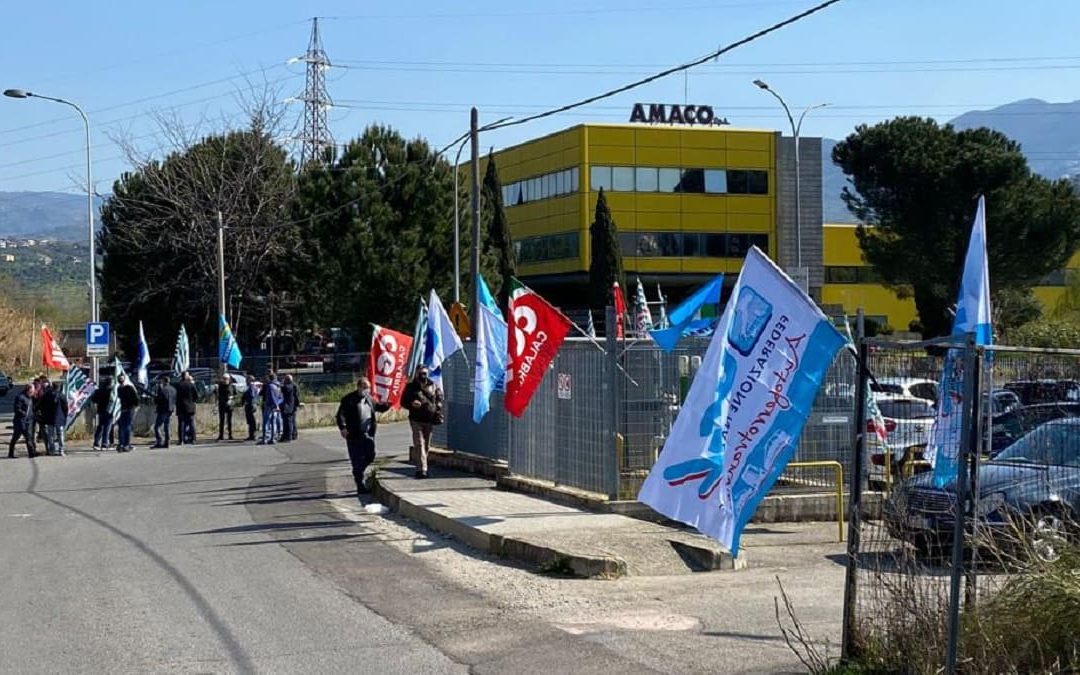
pixel 917 522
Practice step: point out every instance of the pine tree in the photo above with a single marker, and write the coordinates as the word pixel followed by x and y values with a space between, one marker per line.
pixel 606 264
pixel 498 242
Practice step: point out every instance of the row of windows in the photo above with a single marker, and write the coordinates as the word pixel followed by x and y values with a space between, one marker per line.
pixel 851 275
pixel 699 181
pixel 690 244
pixel 552 184
pixel 547 248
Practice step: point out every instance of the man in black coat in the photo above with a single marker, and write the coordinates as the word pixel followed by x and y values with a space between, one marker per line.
pixel 164 405
pixel 249 399
pixel 224 390
pixel 356 421
pixel 129 402
pixel 290 402
pixel 102 400
pixel 186 397
pixel 23 409
pixel 45 413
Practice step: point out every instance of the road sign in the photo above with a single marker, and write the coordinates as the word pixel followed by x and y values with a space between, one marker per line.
pixel 460 318
pixel 564 388
pixel 97 338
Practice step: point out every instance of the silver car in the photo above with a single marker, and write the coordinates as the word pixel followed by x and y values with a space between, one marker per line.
pixel 907 421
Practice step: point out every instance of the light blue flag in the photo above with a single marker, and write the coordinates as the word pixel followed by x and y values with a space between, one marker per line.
pixel 492 357
pixel 442 340
pixel 973 315
pixel 182 356
pixel 681 320
pixel 143 360
pixel 746 408
pixel 416 352
pixel 484 293
pixel 228 350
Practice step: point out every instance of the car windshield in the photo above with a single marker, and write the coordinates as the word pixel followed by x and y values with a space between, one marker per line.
pixel 1055 443
pixel 886 388
pixel 905 409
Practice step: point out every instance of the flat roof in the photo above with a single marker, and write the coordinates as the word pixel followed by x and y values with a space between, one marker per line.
pixel 638 125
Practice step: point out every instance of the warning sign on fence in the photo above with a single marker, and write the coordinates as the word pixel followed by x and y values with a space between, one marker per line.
pixel 564 386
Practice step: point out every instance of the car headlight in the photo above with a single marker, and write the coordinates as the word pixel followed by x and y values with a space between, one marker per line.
pixel 990 503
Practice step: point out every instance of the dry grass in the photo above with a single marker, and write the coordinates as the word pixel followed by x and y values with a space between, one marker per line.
pixel 16 330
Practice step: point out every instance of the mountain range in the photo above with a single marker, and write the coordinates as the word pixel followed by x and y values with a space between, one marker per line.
pixel 1047 132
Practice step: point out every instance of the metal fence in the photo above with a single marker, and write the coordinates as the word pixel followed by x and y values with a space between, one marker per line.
pixel 604 410
pixel 972 570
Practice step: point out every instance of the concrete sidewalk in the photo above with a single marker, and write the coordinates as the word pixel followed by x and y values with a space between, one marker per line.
pixel 552 537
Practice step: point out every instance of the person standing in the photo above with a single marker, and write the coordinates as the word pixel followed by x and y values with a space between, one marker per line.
pixel 37 422
pixel 102 399
pixel 129 403
pixel 357 424
pixel 290 402
pixel 271 403
pixel 45 413
pixel 58 428
pixel 164 405
pixel 23 409
pixel 186 397
pixel 251 395
pixel 423 399
pixel 225 406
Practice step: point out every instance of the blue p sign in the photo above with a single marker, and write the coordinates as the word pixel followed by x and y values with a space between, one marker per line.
pixel 97 338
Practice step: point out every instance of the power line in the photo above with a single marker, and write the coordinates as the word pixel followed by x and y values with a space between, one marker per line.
pixel 798 69
pixel 665 9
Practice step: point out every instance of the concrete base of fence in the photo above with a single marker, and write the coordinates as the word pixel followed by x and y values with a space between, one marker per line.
pixel 463 461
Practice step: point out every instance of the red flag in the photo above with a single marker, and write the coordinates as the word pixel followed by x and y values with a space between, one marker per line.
pixel 51 354
pixel 536 333
pixel 620 310
pixel 387 363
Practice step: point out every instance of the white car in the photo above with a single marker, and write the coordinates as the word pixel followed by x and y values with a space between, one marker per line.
pixel 906 386
pixel 907 423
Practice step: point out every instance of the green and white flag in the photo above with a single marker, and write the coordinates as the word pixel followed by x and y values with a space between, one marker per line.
pixel 77 390
pixel 181 358
pixel 114 397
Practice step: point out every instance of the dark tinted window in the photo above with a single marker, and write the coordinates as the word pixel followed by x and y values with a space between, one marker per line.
pixel 741 182
pixel 906 409
pixel 693 180
pixel 886 388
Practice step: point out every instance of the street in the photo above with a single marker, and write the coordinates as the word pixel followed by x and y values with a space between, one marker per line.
pixel 243 558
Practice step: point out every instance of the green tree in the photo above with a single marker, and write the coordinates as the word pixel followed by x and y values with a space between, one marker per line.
pixel 378 223
pixel 1046 333
pixel 159 238
pixel 605 261
pixel 498 243
pixel 913 186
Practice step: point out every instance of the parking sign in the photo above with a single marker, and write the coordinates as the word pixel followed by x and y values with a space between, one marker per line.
pixel 97 338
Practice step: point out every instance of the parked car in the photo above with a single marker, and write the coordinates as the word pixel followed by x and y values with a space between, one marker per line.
pixel 1003 401
pixel 906 386
pixel 1033 485
pixel 1033 392
pixel 1008 427
pixel 907 426
pixel 5 383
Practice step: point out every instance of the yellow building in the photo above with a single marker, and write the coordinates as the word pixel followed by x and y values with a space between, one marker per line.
pixel 688 203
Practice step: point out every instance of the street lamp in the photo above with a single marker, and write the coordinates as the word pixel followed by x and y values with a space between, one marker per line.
pixel 21 93
pixel 796 127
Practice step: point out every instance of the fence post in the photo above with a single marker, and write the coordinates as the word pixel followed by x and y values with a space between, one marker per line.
pixel 848 647
pixel 612 428
pixel 963 497
pixel 977 409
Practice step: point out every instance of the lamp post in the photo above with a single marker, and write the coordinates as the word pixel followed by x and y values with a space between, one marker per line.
pixel 796 127
pixel 20 93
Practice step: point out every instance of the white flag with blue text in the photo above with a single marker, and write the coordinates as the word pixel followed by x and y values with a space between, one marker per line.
pixel 442 340
pixel 972 316
pixel 746 407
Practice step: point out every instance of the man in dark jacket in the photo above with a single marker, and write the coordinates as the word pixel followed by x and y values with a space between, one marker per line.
pixel 58 428
pixel 102 400
pixel 37 422
pixel 45 413
pixel 164 405
pixel 251 395
pixel 356 421
pixel 23 409
pixel 290 401
pixel 423 399
pixel 129 401
pixel 224 391
pixel 186 397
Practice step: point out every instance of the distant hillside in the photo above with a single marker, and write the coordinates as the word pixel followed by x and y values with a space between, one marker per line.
pixel 1048 133
pixel 59 215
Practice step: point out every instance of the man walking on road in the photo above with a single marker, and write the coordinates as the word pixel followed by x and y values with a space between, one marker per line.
pixel 356 421
pixel 251 395
pixel 423 399
pixel 186 396
pixel 164 405
pixel 20 424
pixel 290 401
pixel 129 401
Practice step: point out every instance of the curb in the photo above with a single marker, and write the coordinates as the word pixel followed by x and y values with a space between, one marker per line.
pixel 545 558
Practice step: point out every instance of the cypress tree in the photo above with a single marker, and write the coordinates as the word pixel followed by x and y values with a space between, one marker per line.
pixel 498 244
pixel 606 263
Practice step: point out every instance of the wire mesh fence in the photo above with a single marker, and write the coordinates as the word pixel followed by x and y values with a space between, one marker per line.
pixel 972 566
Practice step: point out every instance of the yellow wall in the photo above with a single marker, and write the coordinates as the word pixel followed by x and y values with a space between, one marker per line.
pixel 841 249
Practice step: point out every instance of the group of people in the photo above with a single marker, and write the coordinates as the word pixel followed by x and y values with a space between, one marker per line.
pixel 40 416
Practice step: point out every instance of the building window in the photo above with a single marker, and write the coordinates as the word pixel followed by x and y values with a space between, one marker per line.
pixel 692 180
pixel 560 182
pixel 651 244
pixel 622 179
pixel 716 181
pixel 742 182
pixel 690 244
pixel 851 274
pixel 600 178
pixel 547 248
pixel 646 179
pixel 669 180
pixel 575 182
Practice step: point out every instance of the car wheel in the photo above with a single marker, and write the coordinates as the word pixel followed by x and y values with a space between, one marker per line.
pixel 1047 536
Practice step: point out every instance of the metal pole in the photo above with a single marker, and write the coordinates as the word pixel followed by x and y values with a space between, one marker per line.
pixel 273 337
pixel 963 497
pixel 848 646
pixel 33 331
pixel 457 226
pixel 221 274
pixel 474 141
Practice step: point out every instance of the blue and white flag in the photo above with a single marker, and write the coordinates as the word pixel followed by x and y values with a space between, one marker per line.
pixel 746 407
pixel 492 357
pixel 590 328
pixel 416 352
pixel 228 350
pixel 662 322
pixel 142 361
pixel 972 316
pixel 181 357
pixel 442 340
pixel 114 393
pixel 682 320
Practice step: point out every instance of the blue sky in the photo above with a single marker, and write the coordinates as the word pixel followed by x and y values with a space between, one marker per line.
pixel 418 66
